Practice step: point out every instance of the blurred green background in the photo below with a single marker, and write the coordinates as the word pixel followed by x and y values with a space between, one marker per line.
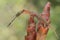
pixel 17 30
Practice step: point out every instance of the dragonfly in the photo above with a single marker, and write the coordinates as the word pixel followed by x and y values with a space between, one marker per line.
pixel 43 23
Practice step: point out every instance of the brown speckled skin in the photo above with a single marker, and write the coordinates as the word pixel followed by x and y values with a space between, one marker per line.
pixel 43 28
pixel 31 32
